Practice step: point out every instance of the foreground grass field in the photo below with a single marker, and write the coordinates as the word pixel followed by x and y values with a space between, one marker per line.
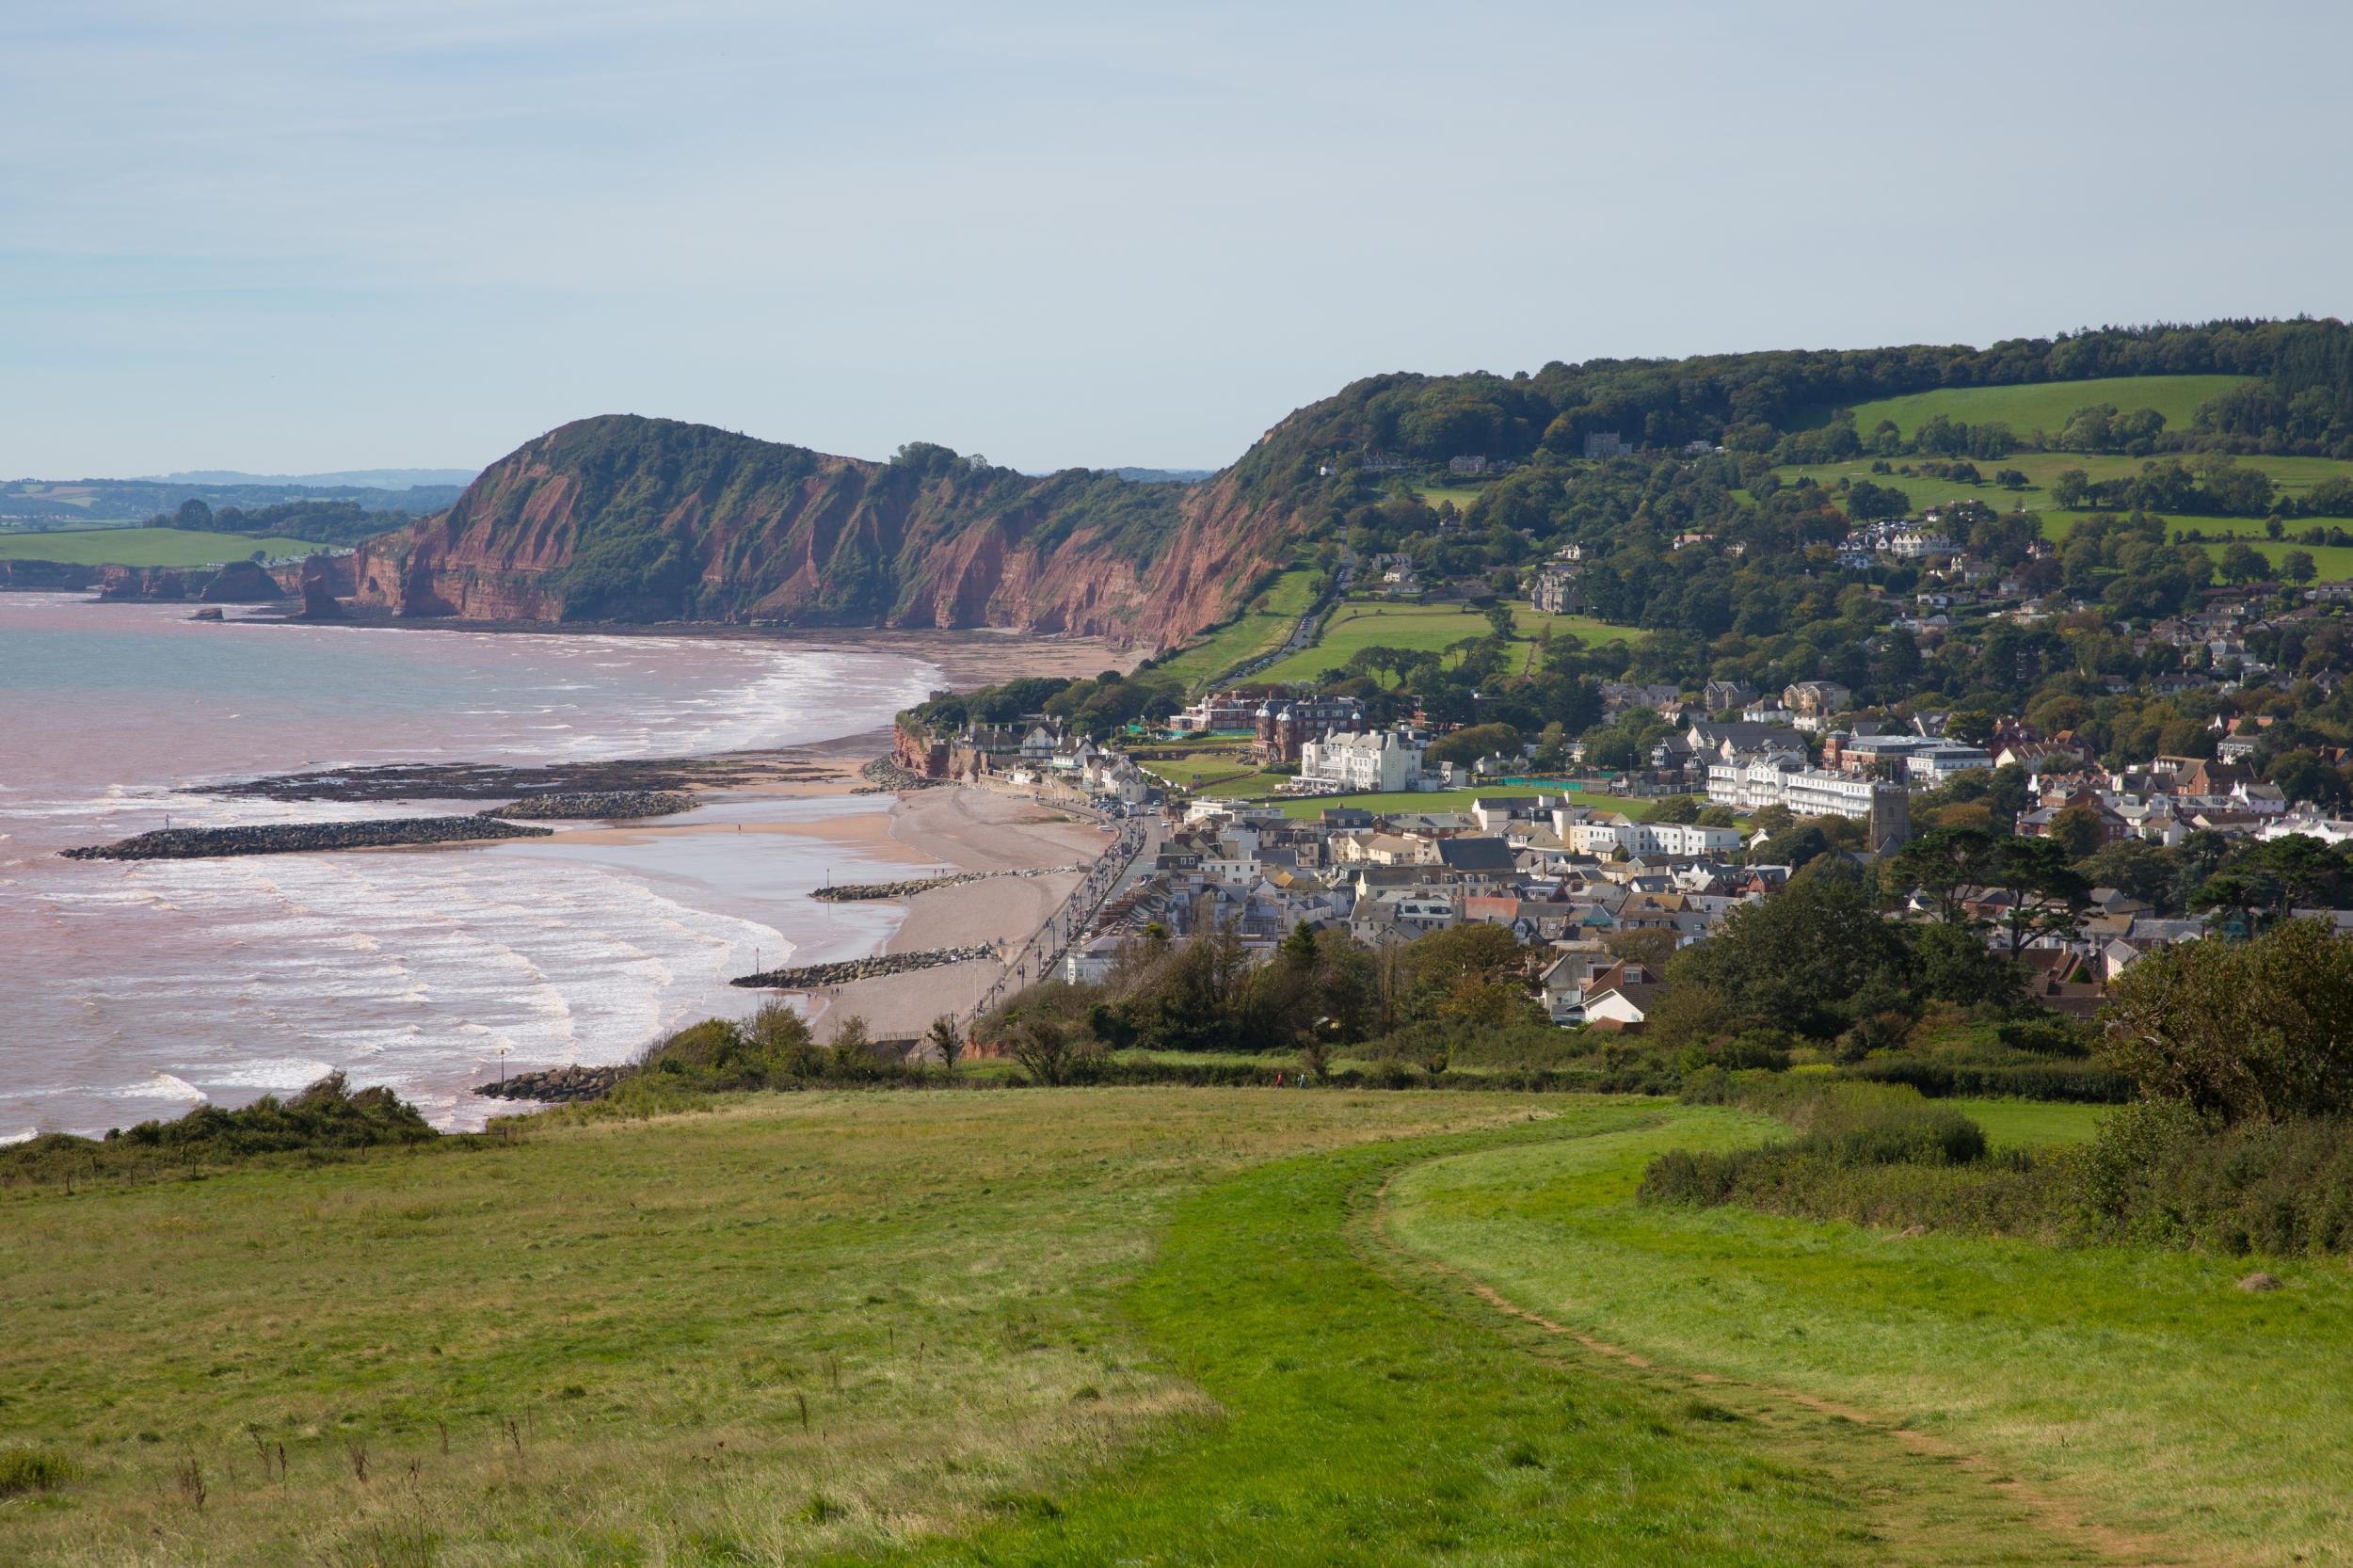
pixel 144 547
pixel 2152 1409
pixel 596 1347
pixel 1150 1326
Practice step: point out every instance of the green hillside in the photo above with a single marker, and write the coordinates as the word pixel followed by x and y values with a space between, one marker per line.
pixel 2045 406
pixel 1259 630
pixel 1423 629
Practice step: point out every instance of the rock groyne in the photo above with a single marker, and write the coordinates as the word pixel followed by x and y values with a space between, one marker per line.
pixel 852 892
pixel 812 977
pixel 203 843
pixel 594 804
pixel 558 1085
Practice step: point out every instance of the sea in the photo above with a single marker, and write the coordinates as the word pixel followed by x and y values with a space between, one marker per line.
pixel 135 990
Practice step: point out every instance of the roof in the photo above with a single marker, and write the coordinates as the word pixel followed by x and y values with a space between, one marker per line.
pixel 1476 855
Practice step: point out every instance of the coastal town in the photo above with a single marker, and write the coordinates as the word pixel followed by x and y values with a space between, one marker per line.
pixel 1361 830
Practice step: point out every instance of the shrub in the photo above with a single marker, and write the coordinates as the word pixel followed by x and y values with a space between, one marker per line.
pixel 2160 1173
pixel 23 1470
pixel 1944 1078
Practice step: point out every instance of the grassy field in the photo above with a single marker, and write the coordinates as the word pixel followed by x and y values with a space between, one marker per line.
pixel 2293 475
pixel 650 1305
pixel 1462 495
pixel 1260 630
pixel 1370 1411
pixel 1424 628
pixel 2155 1412
pixel 2045 406
pixel 143 547
pixel 1151 1326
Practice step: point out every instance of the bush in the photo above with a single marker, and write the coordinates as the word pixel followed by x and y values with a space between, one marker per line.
pixel 2160 1173
pixel 1944 1078
pixel 327 1118
pixel 23 1470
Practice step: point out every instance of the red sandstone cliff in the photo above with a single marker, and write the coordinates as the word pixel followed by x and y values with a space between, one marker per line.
pixel 622 518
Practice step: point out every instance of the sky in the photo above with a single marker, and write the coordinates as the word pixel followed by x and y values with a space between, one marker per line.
pixel 341 234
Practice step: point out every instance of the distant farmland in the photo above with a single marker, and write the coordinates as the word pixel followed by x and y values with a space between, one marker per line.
pixel 2045 405
pixel 145 547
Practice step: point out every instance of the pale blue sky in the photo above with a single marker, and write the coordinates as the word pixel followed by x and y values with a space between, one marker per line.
pixel 338 234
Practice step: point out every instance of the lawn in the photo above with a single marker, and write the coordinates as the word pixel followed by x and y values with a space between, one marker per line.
pixel 2047 404
pixel 1260 629
pixel 1462 495
pixel 1423 628
pixel 144 547
pixel 596 1346
pixel 2136 1390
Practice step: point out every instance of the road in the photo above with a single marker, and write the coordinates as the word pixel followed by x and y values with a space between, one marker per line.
pixel 1129 857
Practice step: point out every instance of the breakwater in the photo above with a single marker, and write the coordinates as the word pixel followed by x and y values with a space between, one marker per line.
pixel 203 843
pixel 852 892
pixel 810 977
pixel 594 804
pixel 558 1085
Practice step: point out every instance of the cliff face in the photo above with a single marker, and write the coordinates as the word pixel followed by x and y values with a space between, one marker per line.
pixel 630 518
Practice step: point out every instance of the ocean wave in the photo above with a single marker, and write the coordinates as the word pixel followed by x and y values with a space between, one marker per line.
pixel 164 1086
pixel 274 1073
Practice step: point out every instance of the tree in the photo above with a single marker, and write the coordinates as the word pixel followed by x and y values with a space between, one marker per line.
pixel 2297 566
pixel 1047 1046
pixel 2262 1028
pixel 2078 828
pixel 2070 488
pixel 946 1037
pixel 1468 746
pixel 1955 966
pixel 1451 972
pixel 2243 562
pixel 2045 891
pixel 193 513
pixel 1800 959
pixel 1941 862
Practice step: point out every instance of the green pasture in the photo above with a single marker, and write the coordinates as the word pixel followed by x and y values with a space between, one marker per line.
pixel 1424 629
pixel 2045 406
pixel 144 547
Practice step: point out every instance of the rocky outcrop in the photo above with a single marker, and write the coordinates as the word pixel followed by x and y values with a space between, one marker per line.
pixel 201 843
pixel 48 576
pixel 812 977
pixel 595 805
pixel 558 1085
pixel 628 519
pixel 241 583
pixel 859 893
